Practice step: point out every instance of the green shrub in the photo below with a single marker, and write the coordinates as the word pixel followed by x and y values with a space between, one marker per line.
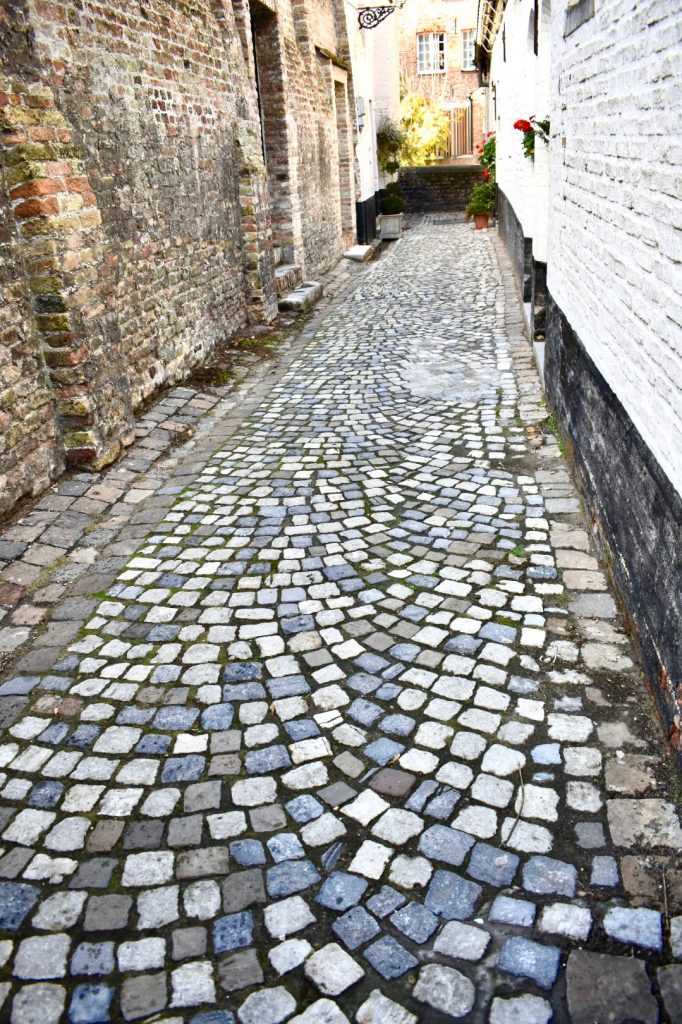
pixel 392 203
pixel 425 128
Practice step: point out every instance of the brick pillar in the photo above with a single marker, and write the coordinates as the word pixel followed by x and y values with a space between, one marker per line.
pixel 70 274
pixel 259 267
pixel 254 202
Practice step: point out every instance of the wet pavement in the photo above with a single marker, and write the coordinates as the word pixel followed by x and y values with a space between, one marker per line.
pixel 355 733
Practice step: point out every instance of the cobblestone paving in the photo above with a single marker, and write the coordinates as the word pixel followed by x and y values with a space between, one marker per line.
pixel 51 546
pixel 355 735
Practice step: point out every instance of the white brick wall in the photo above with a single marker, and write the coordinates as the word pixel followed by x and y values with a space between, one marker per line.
pixel 615 243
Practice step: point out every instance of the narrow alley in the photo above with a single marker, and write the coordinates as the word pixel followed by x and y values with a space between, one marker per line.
pixel 356 734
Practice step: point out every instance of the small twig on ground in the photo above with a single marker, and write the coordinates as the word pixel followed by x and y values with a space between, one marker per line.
pixel 665 902
pixel 520 811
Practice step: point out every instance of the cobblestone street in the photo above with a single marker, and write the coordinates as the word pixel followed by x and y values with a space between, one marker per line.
pixel 355 734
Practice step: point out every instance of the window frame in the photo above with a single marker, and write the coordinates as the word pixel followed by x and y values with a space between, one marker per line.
pixel 468 44
pixel 435 47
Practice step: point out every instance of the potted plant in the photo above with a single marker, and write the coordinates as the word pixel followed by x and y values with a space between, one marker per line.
pixel 481 203
pixel 482 199
pixel 392 207
pixel 531 128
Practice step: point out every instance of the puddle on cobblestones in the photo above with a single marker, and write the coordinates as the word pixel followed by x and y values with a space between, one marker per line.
pixel 330 748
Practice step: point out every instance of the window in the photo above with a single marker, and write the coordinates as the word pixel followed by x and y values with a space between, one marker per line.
pixel 577 13
pixel 430 53
pixel 469 49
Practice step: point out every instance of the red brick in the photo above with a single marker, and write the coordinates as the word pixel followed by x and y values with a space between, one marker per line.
pixel 36 208
pixel 37 187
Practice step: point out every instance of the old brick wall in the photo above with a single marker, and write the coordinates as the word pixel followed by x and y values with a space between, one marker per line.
pixel 143 204
pixel 323 105
pixel 151 92
pixel 439 188
pixel 67 263
pixel 30 449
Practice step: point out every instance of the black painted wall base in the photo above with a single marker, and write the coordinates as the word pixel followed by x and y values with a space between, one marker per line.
pixel 518 246
pixel 366 217
pixel 637 511
pixel 538 297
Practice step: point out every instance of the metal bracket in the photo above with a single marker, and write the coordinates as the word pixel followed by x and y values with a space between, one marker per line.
pixel 370 17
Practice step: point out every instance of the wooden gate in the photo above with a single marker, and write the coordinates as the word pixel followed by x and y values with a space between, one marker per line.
pixel 461 131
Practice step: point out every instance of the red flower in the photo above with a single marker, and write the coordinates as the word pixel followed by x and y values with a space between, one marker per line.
pixel 523 126
pixel 486 175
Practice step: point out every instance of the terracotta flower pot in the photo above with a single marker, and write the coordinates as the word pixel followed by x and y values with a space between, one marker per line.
pixel 481 220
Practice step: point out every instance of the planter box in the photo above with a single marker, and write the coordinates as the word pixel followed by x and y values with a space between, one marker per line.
pixel 391 226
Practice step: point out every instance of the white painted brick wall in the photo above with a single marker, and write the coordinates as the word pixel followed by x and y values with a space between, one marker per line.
pixel 615 242
pixel 386 61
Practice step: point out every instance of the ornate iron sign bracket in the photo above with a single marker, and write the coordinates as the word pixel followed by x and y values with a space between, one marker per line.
pixel 370 17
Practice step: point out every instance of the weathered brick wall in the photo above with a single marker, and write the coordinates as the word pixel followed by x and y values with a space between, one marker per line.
pixel 30 451
pixel 151 91
pixel 67 262
pixel 439 188
pixel 144 205
pixel 615 238
pixel 30 448
pixel 303 58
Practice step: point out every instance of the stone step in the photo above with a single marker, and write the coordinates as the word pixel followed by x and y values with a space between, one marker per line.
pixel 359 253
pixel 301 298
pixel 287 277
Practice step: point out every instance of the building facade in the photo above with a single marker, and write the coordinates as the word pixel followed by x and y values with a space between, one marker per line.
pixel 437 60
pixel 163 167
pixel 594 225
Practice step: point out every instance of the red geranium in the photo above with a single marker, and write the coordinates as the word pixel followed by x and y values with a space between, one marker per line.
pixel 486 175
pixel 523 126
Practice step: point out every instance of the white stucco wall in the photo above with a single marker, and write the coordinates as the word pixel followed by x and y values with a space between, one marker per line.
pixel 374 62
pixel 522 89
pixel 615 248
pixel 386 63
pixel 362 64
